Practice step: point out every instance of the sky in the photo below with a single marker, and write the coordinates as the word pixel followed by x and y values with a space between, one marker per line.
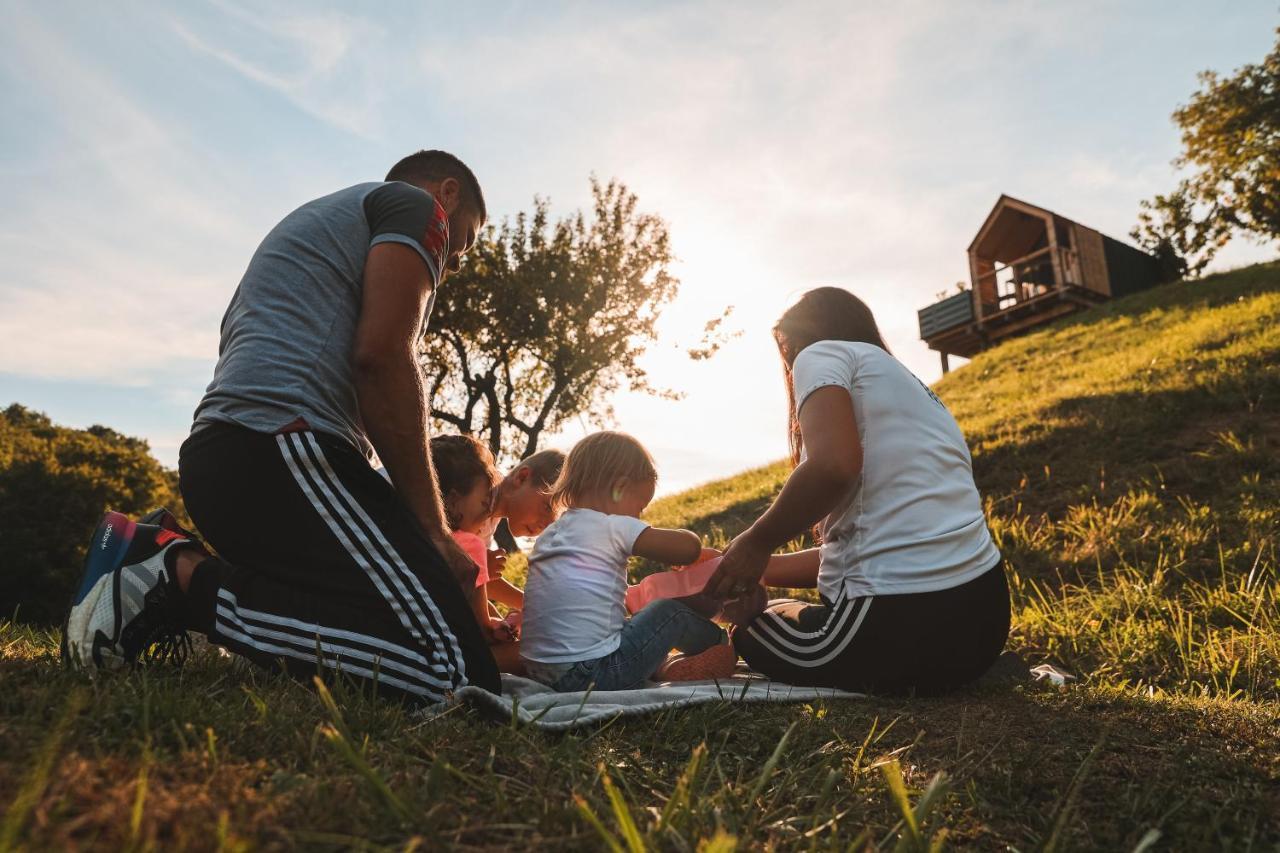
pixel 147 148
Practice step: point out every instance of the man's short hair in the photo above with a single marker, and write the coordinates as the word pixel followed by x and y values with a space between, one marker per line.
pixel 545 466
pixel 434 166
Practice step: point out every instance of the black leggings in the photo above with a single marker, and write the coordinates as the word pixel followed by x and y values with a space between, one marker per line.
pixel 321 567
pixel 922 643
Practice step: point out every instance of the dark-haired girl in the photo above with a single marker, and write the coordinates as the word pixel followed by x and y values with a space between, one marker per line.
pixel 913 592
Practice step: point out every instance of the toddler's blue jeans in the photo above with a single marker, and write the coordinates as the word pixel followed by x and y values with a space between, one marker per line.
pixel 647 638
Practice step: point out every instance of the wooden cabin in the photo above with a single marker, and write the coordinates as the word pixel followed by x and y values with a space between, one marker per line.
pixel 1029 266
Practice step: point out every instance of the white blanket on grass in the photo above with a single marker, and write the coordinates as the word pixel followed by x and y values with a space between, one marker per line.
pixel 530 703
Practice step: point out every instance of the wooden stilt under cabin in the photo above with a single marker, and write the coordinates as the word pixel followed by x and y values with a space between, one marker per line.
pixel 1028 266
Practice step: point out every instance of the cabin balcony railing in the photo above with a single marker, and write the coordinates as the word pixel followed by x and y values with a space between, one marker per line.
pixel 956 310
pixel 1003 290
pixel 1033 275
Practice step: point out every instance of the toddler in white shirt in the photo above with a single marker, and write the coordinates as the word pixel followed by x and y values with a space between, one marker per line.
pixel 576 632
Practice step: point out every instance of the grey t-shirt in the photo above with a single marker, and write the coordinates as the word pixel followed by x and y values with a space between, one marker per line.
pixel 287 336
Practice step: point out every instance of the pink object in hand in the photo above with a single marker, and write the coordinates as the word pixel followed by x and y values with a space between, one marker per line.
pixel 676 584
pixel 688 585
pixel 477 550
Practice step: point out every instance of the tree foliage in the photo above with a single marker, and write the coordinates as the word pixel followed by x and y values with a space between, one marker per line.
pixel 55 483
pixel 546 320
pixel 1231 145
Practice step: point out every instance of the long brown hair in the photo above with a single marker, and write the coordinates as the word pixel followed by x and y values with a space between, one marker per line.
pixel 822 314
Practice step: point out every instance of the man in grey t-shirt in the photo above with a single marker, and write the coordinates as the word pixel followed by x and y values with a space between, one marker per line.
pixel 317 372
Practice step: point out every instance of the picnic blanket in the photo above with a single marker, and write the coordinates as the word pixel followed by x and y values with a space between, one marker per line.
pixel 531 703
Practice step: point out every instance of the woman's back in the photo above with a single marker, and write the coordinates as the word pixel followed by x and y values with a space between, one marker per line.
pixel 914 521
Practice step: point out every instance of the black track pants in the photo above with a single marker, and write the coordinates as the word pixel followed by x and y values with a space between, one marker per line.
pixel 321 567
pixel 924 643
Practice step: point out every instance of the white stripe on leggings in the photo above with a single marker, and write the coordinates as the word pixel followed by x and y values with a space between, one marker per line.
pixel 780 625
pixel 846 635
pixel 234 633
pixel 375 573
pixel 339 522
pixel 311 637
pixel 395 563
pixel 314 647
pixel 832 629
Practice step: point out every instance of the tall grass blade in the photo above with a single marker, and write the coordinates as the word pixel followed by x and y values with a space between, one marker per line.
pixel 892 772
pixel 340 739
pixel 679 799
pixel 622 814
pixel 771 764
pixel 1147 841
pixel 721 842
pixel 139 802
pixel 588 814
pixel 1053 842
pixel 37 780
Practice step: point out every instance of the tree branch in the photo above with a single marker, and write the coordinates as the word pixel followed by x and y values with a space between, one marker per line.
pixel 449 418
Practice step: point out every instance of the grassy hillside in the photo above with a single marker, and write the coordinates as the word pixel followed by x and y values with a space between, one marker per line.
pixel 1128 460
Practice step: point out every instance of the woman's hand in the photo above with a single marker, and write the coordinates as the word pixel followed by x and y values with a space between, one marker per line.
pixel 740 569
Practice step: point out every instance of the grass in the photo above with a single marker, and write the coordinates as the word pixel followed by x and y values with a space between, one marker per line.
pixel 1128 460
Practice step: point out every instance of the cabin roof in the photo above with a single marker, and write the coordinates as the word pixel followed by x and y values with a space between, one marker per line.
pixel 1007 201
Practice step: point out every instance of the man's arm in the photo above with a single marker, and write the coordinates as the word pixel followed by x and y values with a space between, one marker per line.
pixel 389 388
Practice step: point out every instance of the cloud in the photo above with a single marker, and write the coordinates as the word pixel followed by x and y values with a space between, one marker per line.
pixel 110 153
pixel 112 240
pixel 319 60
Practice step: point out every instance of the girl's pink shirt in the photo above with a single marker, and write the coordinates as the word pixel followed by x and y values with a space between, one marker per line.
pixel 478 550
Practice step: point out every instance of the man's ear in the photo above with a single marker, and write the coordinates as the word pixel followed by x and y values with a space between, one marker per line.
pixel 521 475
pixel 449 195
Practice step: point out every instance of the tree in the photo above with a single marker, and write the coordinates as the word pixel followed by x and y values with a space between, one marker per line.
pixel 55 483
pixel 1231 142
pixel 545 321
pixel 1181 237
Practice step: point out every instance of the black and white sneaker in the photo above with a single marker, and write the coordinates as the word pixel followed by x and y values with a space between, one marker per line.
pixel 163 518
pixel 126 608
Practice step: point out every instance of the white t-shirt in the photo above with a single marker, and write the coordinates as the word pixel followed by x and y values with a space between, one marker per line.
pixel 913 522
pixel 575 596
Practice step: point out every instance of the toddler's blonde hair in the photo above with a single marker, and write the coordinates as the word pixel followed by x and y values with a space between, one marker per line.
pixel 596 462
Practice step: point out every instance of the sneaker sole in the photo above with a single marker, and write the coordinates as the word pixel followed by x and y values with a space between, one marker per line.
pixel 91 632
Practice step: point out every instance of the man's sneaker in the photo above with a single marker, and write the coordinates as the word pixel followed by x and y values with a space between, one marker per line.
pixel 717 662
pixel 126 607
pixel 163 518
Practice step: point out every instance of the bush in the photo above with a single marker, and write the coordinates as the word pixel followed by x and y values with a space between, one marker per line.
pixel 55 483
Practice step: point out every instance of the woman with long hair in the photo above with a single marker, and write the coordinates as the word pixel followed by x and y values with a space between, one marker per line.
pixel 913 591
